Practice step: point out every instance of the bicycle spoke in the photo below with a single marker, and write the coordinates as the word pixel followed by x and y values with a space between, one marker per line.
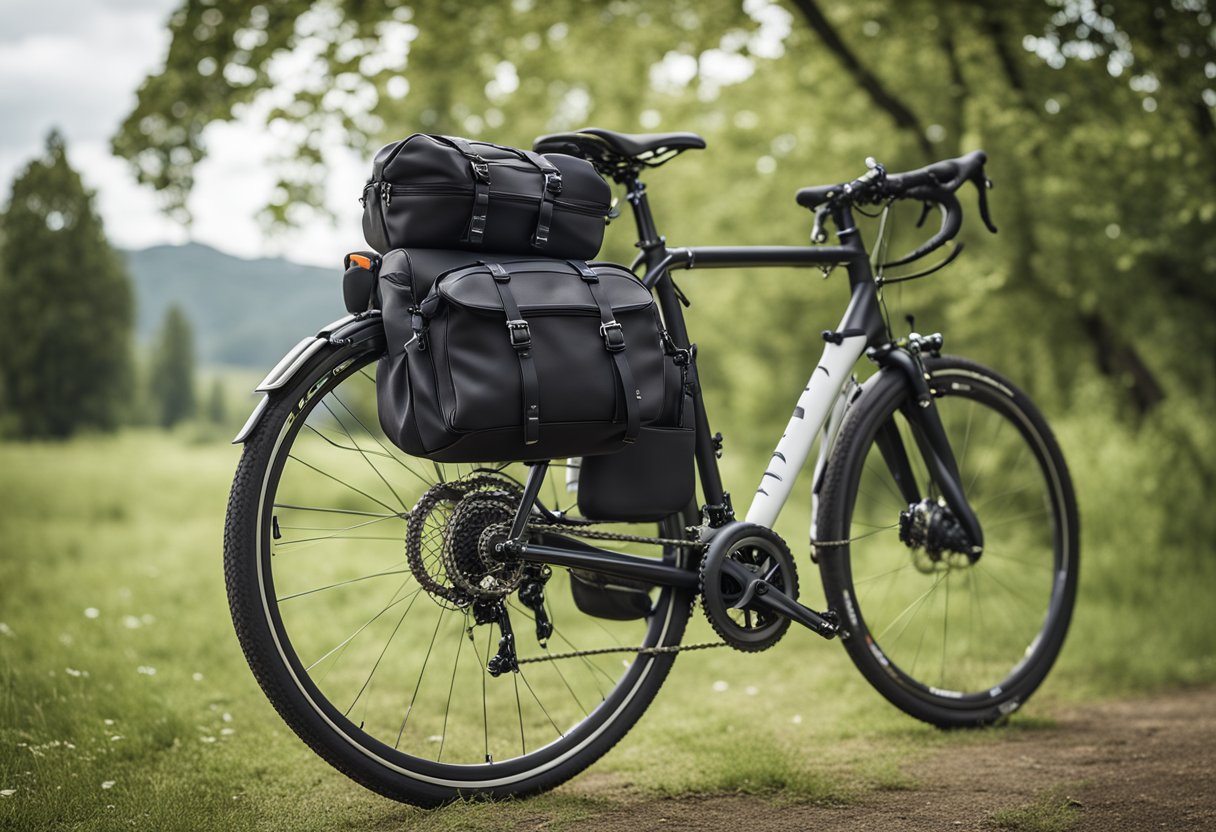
pixel 447 709
pixel 341 584
pixel 418 684
pixel 343 483
pixel 375 666
pixel 335 510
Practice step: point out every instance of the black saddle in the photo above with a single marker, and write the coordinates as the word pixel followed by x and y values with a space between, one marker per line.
pixel 611 150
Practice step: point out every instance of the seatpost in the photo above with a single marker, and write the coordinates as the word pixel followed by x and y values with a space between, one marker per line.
pixel 654 250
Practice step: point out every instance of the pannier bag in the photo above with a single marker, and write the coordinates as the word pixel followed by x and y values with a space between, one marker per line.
pixel 509 359
pixel 452 193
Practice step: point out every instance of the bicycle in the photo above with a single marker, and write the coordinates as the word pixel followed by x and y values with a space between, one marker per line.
pixel 935 477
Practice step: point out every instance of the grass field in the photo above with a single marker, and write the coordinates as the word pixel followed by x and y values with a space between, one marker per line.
pixel 125 701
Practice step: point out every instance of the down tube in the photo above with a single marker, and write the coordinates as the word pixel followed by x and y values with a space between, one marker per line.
pixel 816 401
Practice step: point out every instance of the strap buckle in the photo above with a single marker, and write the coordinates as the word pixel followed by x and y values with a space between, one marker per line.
pixel 614 337
pixel 521 334
pixel 553 182
pixel 481 169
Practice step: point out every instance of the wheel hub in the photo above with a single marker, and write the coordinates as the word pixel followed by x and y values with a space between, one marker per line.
pixel 934 535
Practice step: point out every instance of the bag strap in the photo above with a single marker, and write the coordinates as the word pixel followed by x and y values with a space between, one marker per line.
pixel 614 342
pixel 521 340
pixel 551 186
pixel 476 230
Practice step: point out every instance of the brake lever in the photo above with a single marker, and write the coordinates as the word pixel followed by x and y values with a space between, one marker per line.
pixel 925 208
pixel 952 220
pixel 982 184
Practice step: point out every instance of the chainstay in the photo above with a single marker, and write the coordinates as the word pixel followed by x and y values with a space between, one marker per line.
pixel 578 530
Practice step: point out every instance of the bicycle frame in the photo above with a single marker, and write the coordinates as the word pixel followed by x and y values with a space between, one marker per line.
pixel 819 408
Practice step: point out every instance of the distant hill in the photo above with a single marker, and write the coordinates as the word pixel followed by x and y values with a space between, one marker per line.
pixel 244 312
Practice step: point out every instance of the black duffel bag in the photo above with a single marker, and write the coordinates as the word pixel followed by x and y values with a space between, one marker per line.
pixel 509 359
pixel 452 193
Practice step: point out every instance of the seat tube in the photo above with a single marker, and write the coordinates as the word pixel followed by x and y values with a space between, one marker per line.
pixel 654 250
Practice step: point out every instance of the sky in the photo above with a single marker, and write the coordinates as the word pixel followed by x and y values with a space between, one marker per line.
pixel 75 65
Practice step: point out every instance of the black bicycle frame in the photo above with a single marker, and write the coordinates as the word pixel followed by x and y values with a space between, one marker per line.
pixel 862 316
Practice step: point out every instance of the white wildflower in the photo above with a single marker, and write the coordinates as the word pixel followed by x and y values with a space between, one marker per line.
pixel 91 612
pixel 227 732
pixel 207 739
pixel 5 630
pixel 7 792
pixel 108 721
pixel 720 686
pixel 116 738
pixel 198 677
pixel 146 670
pixel 108 784
pixel 71 671
pixel 797 720
pixel 131 622
pixel 227 717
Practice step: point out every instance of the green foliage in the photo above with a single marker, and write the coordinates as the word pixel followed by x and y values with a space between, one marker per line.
pixel 65 307
pixel 1053 811
pixel 171 378
pixel 217 408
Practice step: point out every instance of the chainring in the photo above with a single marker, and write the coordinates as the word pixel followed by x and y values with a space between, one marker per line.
pixel 763 553
pixel 444 539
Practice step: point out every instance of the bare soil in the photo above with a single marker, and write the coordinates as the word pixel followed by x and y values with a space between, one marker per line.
pixel 1143 764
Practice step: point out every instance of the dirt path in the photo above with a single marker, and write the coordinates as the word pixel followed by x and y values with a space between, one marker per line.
pixel 1138 765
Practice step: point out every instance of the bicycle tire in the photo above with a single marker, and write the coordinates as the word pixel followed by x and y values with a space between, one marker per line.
pixel 303 700
pixel 1029 567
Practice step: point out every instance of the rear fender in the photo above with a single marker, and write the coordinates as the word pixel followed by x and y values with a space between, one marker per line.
pixel 351 329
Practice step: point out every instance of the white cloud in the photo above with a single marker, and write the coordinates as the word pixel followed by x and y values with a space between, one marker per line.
pixel 75 65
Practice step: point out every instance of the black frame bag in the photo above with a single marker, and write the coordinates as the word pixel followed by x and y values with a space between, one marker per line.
pixel 501 359
pixel 446 192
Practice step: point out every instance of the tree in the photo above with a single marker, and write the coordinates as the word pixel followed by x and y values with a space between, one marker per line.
pixel 66 308
pixel 217 406
pixel 172 373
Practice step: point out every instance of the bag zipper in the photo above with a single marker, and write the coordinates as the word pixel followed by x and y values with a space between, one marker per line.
pixel 388 190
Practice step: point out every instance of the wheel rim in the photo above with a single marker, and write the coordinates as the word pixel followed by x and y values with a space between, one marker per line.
pixel 389 666
pixel 944 628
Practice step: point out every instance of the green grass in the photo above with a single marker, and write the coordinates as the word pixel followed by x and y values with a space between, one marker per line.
pixel 118 664
pixel 1053 811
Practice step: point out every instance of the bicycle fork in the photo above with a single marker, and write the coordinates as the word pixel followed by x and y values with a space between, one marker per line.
pixel 930 436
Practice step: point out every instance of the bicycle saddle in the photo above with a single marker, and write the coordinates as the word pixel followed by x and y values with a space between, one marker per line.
pixel 637 146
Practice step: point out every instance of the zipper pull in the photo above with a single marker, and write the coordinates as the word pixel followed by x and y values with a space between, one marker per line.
pixel 386 194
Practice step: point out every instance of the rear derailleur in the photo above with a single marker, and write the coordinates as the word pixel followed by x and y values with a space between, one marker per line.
pixel 494 611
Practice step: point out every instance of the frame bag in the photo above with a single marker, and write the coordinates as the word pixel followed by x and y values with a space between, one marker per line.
pixel 507 359
pixel 452 193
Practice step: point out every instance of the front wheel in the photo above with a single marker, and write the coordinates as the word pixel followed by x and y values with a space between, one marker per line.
pixel 950 641
pixel 352 571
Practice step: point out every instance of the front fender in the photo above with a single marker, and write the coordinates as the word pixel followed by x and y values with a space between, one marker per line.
pixel 351 329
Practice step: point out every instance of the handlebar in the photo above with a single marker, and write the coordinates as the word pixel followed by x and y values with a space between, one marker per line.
pixel 933 184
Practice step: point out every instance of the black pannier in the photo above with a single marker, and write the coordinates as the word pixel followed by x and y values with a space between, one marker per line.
pixel 651 479
pixel 500 358
pixel 452 193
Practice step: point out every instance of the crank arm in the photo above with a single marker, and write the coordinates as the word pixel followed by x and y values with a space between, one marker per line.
pixel 758 593
pixel 767 597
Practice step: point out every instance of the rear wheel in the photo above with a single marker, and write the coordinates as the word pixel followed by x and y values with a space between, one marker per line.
pixel 360 629
pixel 949 641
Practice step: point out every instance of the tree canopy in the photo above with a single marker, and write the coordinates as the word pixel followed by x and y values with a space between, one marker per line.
pixel 1098 119
pixel 66 309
